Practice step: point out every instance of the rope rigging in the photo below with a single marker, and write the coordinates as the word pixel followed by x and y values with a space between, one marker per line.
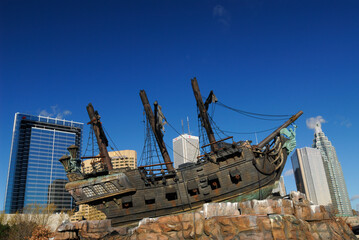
pixel 150 149
pixel 116 150
pixel 256 115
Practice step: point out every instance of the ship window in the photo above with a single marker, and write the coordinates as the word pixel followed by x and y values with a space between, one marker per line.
pixel 150 197
pixel 99 189
pixel 171 193
pixel 110 187
pixel 192 187
pixel 235 176
pixel 127 202
pixel 150 201
pixel 214 182
pixel 88 192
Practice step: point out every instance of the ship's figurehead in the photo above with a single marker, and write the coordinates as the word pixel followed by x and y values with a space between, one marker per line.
pixel 291 143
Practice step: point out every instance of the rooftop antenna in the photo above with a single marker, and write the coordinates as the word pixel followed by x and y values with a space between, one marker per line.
pixel 182 126
pixel 189 132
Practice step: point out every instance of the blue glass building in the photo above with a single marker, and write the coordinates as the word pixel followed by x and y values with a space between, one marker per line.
pixel 35 174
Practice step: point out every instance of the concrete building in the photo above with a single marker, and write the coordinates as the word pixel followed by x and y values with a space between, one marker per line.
pixel 280 187
pixel 310 175
pixel 185 149
pixel 334 172
pixel 119 159
pixel 35 174
pixel 87 212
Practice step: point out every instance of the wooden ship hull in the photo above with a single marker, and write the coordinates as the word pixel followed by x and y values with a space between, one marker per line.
pixel 233 171
pixel 125 198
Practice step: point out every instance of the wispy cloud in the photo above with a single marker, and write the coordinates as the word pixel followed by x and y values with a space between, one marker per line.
pixel 288 173
pixel 55 112
pixel 222 15
pixel 344 122
pixel 313 120
pixel 355 197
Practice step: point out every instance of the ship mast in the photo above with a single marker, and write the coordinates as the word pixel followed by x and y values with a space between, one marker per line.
pixel 203 115
pixel 156 130
pixel 100 136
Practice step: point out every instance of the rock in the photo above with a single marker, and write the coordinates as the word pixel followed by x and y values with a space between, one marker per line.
pixel 293 218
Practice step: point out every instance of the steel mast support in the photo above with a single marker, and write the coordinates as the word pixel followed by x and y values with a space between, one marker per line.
pixel 157 132
pixel 100 136
pixel 204 116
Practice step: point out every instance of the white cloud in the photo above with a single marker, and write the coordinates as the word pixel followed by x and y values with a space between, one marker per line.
pixel 313 120
pixel 288 173
pixel 355 197
pixel 44 113
pixel 55 112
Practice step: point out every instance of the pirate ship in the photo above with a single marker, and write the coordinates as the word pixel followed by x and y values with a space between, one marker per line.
pixel 228 171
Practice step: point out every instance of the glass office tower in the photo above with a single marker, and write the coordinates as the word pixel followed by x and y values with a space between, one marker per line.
pixel 35 174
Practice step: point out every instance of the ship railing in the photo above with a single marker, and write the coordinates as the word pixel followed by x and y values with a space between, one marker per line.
pixel 221 140
pixel 149 172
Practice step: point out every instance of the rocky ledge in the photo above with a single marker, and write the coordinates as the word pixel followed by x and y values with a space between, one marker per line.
pixel 293 218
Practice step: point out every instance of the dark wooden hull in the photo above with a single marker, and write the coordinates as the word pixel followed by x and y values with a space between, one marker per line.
pixel 235 173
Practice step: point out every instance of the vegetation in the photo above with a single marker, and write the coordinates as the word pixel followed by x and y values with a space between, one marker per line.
pixel 30 225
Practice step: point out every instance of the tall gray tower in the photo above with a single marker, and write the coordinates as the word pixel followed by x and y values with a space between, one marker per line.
pixel 310 177
pixel 334 172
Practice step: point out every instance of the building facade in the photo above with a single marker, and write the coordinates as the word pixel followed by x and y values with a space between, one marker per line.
pixel 334 172
pixel 119 159
pixel 185 149
pixel 309 174
pixel 280 187
pixel 35 175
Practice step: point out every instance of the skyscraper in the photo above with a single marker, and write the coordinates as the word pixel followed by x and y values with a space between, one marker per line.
pixel 334 172
pixel 35 174
pixel 185 149
pixel 309 174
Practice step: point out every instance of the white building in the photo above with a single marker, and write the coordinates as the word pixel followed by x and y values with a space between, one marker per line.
pixel 280 187
pixel 334 173
pixel 185 149
pixel 310 175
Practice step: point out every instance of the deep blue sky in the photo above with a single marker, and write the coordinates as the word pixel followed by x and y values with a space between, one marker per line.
pixel 275 57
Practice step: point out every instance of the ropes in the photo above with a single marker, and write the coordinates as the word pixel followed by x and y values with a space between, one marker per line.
pixel 257 115
pixel 117 152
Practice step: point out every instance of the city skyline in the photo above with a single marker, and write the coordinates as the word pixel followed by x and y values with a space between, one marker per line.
pixel 263 57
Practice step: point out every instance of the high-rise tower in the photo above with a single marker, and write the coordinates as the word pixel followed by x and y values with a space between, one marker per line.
pixel 35 174
pixel 309 174
pixel 185 149
pixel 334 172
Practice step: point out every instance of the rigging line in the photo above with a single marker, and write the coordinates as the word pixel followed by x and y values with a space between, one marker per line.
pixel 88 142
pixel 118 153
pixel 179 133
pixel 214 123
pixel 178 153
pixel 92 141
pixel 251 132
pixel 249 114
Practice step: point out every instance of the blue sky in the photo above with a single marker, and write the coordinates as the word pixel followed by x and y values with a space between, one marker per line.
pixel 274 57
